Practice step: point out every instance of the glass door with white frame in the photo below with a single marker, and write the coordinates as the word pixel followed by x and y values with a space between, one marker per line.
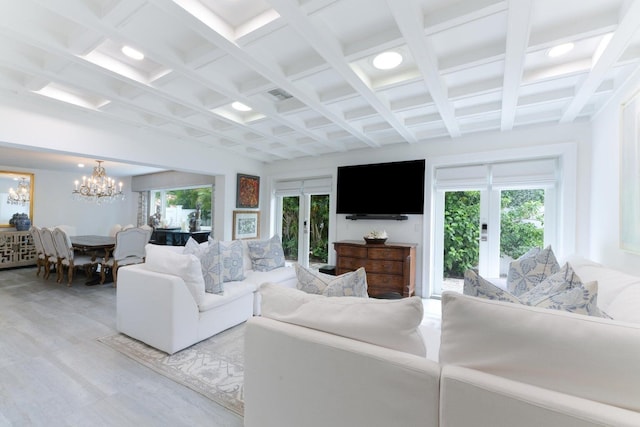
pixel 488 226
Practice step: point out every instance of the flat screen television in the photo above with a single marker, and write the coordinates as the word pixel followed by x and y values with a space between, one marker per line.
pixel 381 189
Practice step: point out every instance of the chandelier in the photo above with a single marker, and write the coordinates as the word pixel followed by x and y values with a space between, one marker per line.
pixel 98 187
pixel 19 196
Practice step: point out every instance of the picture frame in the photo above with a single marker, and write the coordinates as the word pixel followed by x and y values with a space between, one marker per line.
pixel 246 225
pixel 630 175
pixel 247 191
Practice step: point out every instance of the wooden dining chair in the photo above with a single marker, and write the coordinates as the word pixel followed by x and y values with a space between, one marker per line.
pixel 51 255
pixel 129 249
pixel 68 259
pixel 41 257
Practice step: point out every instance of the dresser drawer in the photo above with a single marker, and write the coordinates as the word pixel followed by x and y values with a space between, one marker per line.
pixel 391 281
pixel 396 254
pixel 352 251
pixel 351 264
pixel 388 267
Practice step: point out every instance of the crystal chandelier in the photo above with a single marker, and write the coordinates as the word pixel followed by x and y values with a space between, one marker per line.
pixel 98 187
pixel 20 196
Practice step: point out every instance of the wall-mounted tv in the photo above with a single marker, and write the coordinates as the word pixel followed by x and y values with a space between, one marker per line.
pixel 381 189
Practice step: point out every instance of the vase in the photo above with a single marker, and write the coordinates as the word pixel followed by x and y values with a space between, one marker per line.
pixel 22 224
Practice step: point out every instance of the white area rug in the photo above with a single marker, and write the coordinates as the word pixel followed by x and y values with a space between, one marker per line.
pixel 213 368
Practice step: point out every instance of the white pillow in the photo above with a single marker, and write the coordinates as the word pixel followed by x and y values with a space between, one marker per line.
pixel 352 284
pixel 388 323
pixel 185 266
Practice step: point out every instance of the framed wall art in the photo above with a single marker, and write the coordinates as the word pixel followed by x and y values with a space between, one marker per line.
pixel 246 225
pixel 247 191
pixel 630 175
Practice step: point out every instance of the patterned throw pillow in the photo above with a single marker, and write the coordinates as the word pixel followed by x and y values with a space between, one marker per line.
pixel 266 254
pixel 212 268
pixel 477 286
pixel 561 291
pixel 530 270
pixel 353 284
pixel 210 261
pixel 232 266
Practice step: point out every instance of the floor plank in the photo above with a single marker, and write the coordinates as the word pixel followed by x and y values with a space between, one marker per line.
pixel 54 372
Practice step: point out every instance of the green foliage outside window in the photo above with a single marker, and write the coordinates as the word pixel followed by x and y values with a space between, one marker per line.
pixel 521 227
pixel 318 230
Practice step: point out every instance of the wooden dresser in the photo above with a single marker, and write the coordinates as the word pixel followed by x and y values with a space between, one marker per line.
pixel 391 267
pixel 16 249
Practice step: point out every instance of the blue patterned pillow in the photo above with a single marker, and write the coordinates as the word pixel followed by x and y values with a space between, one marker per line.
pixel 530 270
pixel 351 284
pixel 232 265
pixel 212 268
pixel 561 291
pixel 477 286
pixel 266 254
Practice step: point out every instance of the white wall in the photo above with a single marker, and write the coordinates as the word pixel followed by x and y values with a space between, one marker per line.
pixel 604 229
pixel 53 204
pixel 416 229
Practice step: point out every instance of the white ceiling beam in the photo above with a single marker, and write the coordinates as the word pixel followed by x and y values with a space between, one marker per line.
pixel 619 42
pixel 269 71
pixel 331 51
pixel 518 29
pixel 408 15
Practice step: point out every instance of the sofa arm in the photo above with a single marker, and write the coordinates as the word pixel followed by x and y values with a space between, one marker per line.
pixel 295 376
pixel 156 309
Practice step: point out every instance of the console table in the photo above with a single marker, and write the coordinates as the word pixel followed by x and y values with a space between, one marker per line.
pixel 177 237
pixel 390 267
pixel 16 249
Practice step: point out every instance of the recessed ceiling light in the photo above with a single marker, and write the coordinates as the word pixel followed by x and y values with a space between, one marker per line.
pixel 560 50
pixel 387 60
pixel 240 106
pixel 80 165
pixel 132 53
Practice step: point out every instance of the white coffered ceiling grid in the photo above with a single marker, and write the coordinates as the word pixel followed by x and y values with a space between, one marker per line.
pixel 305 67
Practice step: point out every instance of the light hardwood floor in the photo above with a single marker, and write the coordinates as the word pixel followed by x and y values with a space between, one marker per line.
pixel 54 372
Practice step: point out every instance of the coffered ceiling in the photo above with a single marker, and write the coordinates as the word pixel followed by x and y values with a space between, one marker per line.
pixel 305 67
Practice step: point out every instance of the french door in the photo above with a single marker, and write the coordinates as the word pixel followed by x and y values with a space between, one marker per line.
pixel 484 218
pixel 303 220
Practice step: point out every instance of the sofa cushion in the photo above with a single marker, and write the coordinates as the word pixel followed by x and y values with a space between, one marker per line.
pixel 232 260
pixel 585 356
pixel 232 291
pixel 186 266
pixel 194 248
pixel 387 323
pixel 266 254
pixel 561 291
pixel 530 269
pixel 276 275
pixel 353 283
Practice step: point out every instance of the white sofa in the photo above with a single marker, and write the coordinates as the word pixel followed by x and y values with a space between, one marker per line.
pixel 499 364
pixel 161 310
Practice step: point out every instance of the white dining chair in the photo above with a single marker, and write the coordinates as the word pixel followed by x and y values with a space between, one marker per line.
pixel 129 249
pixel 41 257
pixel 68 259
pixel 51 255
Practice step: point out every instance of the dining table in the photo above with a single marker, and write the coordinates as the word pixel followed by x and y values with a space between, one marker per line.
pixel 99 247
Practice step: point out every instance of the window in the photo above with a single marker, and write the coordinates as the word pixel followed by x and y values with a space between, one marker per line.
pixel 173 208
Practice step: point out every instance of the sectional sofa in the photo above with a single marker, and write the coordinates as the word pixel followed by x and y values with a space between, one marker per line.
pixel 497 364
pixel 163 302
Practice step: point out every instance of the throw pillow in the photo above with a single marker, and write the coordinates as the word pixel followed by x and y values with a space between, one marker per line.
pixel 192 247
pixel 266 254
pixel 561 291
pixel 212 269
pixel 392 324
pixel 353 283
pixel 530 269
pixel 232 266
pixel 186 266
pixel 477 286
